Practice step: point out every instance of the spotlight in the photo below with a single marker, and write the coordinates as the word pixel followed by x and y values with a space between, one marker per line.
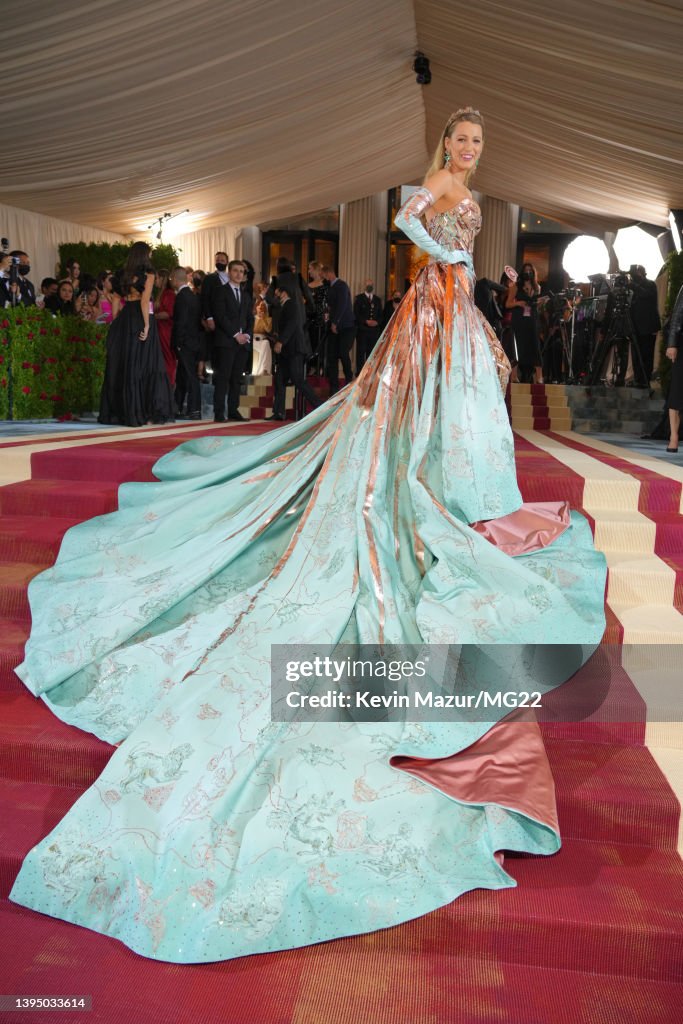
pixel 423 75
pixel 585 257
pixel 676 224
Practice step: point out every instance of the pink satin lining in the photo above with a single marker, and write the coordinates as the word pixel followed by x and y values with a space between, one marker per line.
pixel 507 766
pixel 533 526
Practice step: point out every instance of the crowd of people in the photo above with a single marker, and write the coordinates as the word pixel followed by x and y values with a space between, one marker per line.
pixel 226 324
pixel 536 330
pixel 218 326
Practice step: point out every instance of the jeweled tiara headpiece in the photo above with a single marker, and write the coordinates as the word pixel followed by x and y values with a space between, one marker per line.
pixel 461 115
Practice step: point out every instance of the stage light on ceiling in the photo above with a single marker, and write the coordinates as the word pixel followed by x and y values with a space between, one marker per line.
pixel 423 75
pixel 585 256
pixel 676 225
pixel 635 246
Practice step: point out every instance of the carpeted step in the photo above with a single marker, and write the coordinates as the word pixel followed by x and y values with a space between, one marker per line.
pixel 636 580
pixel 28 812
pixel 98 463
pixel 669 532
pixel 339 982
pixel 624 530
pixel 14 580
pixel 657 492
pixel 35 744
pixel 32 538
pixel 600 703
pixel 121 461
pixel 566 910
pixel 13 637
pixel 65 498
pixel 610 793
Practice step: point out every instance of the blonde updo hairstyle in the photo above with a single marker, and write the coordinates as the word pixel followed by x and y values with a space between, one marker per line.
pixel 468 114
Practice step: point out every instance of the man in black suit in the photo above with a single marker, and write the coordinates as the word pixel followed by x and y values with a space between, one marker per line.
pixel 186 343
pixel 297 289
pixel 234 319
pixel 211 285
pixel 292 349
pixel 342 328
pixel 21 293
pixel 645 316
pixel 390 307
pixel 367 311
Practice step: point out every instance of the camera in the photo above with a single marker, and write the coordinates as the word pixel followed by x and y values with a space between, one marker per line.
pixel 14 261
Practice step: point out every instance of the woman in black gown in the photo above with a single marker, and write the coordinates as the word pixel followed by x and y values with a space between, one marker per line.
pixel 521 299
pixel 136 389
pixel 674 352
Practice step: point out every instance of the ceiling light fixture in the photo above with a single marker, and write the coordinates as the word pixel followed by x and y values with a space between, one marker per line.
pixel 423 74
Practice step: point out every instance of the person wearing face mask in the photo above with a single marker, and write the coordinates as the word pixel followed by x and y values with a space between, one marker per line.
pixel 212 284
pixel 390 307
pixel 212 287
pixel 367 311
pixel 22 292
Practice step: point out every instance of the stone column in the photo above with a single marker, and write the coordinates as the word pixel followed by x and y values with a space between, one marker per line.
pixel 248 247
pixel 363 242
pixel 496 243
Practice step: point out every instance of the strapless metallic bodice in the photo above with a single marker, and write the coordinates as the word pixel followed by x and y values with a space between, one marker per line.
pixel 457 228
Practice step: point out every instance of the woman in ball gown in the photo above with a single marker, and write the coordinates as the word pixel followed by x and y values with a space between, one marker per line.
pixel 389 515
pixel 136 389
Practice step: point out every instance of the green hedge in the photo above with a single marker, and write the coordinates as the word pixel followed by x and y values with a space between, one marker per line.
pixel 95 256
pixel 50 367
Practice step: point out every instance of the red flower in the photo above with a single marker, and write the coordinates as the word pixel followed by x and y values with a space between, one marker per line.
pixel 25 366
pixel 20 321
pixel 50 359
pixel 5 323
pixel 36 369
pixel 43 331
pixel 93 343
pixel 56 331
pixel 43 395
pixel 26 390
pixel 2 359
pixel 29 336
pixel 4 382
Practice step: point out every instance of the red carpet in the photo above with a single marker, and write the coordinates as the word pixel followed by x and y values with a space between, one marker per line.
pixel 590 935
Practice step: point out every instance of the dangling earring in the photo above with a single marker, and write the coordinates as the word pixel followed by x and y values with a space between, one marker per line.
pixel 446 158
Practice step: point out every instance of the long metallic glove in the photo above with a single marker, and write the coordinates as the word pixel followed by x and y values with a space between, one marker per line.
pixel 408 220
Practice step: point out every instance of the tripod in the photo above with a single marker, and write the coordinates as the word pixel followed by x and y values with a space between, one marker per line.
pixel 620 340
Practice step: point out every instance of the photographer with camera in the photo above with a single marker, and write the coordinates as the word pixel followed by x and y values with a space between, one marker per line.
pixel 522 299
pixel 15 287
pixel 617 355
pixel 644 316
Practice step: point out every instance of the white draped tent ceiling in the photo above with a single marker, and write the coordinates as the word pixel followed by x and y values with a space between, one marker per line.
pixel 116 112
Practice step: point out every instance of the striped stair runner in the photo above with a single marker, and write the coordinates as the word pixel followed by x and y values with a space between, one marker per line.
pixel 539 407
pixel 258 401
